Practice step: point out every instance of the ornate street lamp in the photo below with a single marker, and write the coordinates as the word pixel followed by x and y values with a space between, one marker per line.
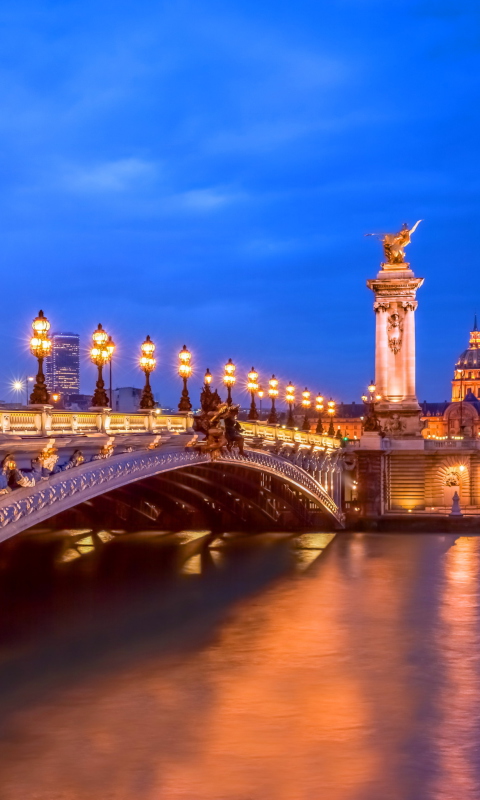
pixel 229 379
pixel 40 348
pixel 252 387
pixel 147 365
pixel 372 422
pixel 290 398
pixel 306 403
pixel 184 370
pixel 273 394
pixel 100 355
pixel 331 412
pixel 319 408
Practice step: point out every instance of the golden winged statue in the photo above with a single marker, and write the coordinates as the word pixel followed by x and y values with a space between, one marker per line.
pixel 394 243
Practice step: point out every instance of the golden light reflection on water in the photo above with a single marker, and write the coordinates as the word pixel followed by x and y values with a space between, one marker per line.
pixel 456 738
pixel 355 680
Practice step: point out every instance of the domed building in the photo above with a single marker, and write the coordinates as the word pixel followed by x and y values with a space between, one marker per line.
pixel 466 379
pixel 461 417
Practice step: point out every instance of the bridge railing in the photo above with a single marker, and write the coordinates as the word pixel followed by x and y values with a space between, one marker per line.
pixel 37 422
pixel 278 433
pixel 46 422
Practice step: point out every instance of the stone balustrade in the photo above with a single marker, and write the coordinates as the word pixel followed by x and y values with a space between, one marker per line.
pixel 49 422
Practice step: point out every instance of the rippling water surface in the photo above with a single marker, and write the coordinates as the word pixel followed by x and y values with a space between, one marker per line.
pixel 156 666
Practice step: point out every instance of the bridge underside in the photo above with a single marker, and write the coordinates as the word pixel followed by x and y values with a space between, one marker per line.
pixel 214 496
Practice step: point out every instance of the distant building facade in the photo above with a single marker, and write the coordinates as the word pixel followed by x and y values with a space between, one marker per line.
pixel 126 399
pixel 62 367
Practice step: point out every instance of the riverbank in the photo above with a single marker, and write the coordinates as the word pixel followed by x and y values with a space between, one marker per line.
pixel 416 523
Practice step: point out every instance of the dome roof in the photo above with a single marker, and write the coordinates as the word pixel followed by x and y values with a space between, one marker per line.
pixel 469 359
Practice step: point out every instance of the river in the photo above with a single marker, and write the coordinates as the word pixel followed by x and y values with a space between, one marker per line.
pixel 157 666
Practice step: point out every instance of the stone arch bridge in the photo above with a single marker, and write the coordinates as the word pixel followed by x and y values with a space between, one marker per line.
pixel 121 468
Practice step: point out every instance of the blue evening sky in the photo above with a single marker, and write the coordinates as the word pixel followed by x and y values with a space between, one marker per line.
pixel 205 172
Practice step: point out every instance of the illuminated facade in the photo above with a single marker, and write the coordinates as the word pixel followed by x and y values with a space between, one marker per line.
pixel 62 367
pixel 466 378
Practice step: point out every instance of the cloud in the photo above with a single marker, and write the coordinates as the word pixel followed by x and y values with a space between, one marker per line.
pixel 109 176
pixel 207 199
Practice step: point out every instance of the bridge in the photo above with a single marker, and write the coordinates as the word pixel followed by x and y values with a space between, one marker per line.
pixel 141 468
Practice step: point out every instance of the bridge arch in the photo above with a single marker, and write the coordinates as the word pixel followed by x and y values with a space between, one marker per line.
pixel 63 491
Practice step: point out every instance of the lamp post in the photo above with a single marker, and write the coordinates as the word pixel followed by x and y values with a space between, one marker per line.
pixel 260 394
pixel 229 379
pixel 147 365
pixel 111 350
pixel 290 398
pixel 184 370
pixel 40 348
pixel 273 394
pixel 252 387
pixel 331 412
pixel 371 421
pixel 100 355
pixel 319 408
pixel 306 403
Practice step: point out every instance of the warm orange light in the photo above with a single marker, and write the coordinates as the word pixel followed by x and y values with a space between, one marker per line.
pixel 40 324
pixel 111 346
pixel 147 362
pixel 148 347
pixel 184 368
pixel 229 376
pixel 290 393
pixel 273 387
pixel 372 387
pixel 40 344
pixel 306 402
pixel 100 337
pixel 252 384
pixel 207 377
pixel 260 392
pixel 103 347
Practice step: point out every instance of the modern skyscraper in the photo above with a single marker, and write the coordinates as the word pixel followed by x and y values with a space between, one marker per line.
pixel 62 368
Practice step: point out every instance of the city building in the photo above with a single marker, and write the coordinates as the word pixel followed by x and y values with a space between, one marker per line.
pixel 62 367
pixel 126 399
pixel 466 378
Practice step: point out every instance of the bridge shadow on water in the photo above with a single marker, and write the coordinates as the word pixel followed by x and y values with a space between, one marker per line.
pixel 78 600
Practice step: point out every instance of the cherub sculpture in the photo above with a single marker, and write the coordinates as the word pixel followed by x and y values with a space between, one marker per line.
pixel 394 243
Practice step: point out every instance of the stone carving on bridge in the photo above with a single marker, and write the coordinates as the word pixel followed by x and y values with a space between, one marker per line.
pixel 8 464
pixel 394 425
pixel 106 451
pixel 395 331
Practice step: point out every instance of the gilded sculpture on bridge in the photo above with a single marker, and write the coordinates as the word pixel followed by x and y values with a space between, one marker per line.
pixel 394 243
pixel 218 423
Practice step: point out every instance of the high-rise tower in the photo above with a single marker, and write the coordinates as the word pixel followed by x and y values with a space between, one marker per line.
pixel 62 368
pixel 395 304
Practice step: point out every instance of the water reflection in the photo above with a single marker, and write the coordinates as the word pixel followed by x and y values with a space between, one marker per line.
pixel 160 665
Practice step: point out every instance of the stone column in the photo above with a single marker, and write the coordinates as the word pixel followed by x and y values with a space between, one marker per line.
pixel 381 348
pixel 409 346
pixel 394 289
